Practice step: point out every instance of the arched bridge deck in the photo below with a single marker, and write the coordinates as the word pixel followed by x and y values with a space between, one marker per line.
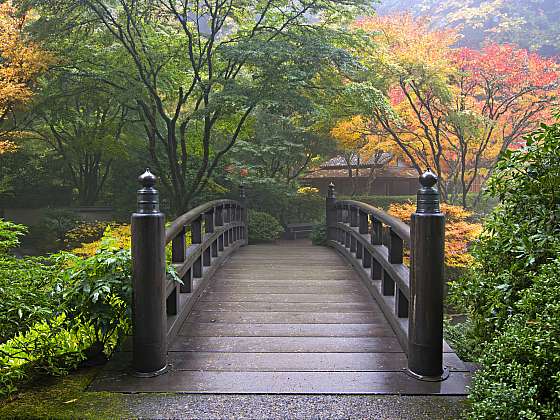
pixel 285 318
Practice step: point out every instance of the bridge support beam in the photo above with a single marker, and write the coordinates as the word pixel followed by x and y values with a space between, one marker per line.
pixel 425 331
pixel 148 281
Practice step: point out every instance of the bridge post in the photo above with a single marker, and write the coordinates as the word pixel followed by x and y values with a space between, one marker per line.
pixel 331 218
pixel 425 331
pixel 149 346
pixel 244 214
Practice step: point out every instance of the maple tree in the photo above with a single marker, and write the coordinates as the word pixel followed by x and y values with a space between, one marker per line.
pixel 453 110
pixel 21 63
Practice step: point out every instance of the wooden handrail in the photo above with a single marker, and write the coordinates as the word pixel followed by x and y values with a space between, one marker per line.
pixel 160 306
pixel 400 228
pixel 186 219
pixel 372 241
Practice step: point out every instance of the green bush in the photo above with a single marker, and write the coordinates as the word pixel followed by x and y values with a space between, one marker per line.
pixel 319 234
pixel 512 293
pixel 50 347
pixel 27 293
pixel 263 227
pixel 284 203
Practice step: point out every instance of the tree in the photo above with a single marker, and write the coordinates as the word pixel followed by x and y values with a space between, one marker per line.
pixel 454 111
pixel 86 128
pixel 531 24
pixel 281 147
pixel 21 62
pixel 200 69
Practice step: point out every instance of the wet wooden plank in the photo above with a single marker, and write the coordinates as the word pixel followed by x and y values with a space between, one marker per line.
pixel 283 275
pixel 277 297
pixel 286 330
pixel 326 290
pixel 300 362
pixel 287 344
pixel 283 383
pixel 287 317
pixel 284 307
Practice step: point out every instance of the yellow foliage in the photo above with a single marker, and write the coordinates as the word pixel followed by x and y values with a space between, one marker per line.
pixel 21 61
pixel 118 234
pixel 7 147
pixel 356 135
pixel 307 191
pixel 459 231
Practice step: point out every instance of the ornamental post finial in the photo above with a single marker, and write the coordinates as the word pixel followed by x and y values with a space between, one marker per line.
pixel 428 195
pixel 148 196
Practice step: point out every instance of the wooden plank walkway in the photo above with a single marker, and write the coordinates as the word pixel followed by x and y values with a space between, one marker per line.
pixel 285 318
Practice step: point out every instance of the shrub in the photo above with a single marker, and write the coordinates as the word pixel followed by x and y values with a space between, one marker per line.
pixel 263 227
pixel 49 347
pixel 319 234
pixel 285 203
pixel 512 293
pixel 10 234
pixel 27 293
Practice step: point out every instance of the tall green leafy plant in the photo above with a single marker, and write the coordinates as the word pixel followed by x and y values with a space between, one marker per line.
pixel 511 295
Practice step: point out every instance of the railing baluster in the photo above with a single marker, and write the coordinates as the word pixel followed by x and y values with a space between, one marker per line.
pixel 186 287
pixel 387 284
pixel 376 231
pixel 376 270
pixel 196 232
pixel 359 250
pixel 219 220
pixel 395 248
pixel 366 260
pixel 178 247
pixel 364 228
pixel 401 304
pixel 353 216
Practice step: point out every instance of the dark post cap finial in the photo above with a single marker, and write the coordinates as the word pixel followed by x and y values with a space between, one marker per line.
pixel 331 193
pixel 148 196
pixel 428 179
pixel 428 195
pixel 147 179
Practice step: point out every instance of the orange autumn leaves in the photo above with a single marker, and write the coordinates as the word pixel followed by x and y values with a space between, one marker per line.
pixel 21 63
pixel 454 110
pixel 459 231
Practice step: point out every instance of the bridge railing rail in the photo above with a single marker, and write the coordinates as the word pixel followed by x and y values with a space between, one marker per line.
pixel 200 240
pixel 410 296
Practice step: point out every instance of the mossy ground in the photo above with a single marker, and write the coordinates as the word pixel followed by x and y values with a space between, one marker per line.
pixel 64 398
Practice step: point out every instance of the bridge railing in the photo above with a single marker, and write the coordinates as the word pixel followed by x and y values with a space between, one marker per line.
pixel 160 305
pixel 411 297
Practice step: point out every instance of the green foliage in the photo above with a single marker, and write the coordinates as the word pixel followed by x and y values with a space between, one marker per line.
pixel 10 233
pixel 512 293
pixel 319 234
pixel 100 292
pixel 27 294
pixel 283 202
pixel 50 347
pixel 263 227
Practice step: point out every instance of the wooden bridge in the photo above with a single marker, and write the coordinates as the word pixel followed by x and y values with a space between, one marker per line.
pixel 288 317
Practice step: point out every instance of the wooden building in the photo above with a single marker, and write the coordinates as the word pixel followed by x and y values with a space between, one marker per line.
pixel 384 177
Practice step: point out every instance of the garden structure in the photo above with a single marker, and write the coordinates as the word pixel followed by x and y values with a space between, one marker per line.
pixel 350 318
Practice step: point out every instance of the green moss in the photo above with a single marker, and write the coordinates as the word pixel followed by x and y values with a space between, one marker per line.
pixel 64 398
